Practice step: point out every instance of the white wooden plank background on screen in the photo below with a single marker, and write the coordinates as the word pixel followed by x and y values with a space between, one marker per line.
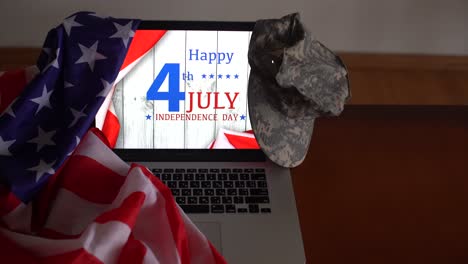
pixel 199 134
pixel 117 99
pixel 248 125
pixel 170 49
pixel 137 130
pixel 232 42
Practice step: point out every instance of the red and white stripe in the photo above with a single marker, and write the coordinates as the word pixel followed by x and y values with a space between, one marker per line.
pixel 229 139
pixel 142 43
pixel 101 210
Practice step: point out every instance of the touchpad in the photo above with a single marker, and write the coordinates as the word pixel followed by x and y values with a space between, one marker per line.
pixel 212 231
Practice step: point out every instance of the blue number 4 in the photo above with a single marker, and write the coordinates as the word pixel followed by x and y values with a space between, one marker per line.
pixel 174 95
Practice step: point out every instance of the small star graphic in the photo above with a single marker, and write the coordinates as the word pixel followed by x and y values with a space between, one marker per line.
pixel 236 76
pixel 43 139
pixel 242 117
pixel 203 76
pixel 211 76
pixel 148 117
pixel 220 76
pixel 228 76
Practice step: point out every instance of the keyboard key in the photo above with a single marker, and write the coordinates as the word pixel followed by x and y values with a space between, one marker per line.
pixel 156 170
pixel 217 209
pixel 257 199
pixel 183 184
pixel 237 170
pixel 186 192
pixel 226 200
pixel 175 192
pixel 259 170
pixel 192 200
pixel 177 176
pixel 251 184
pixel 243 192
pixel 206 184
pixel 211 177
pixel 220 192
pixel 189 176
pixel 261 184
pixel 166 177
pixel 194 184
pixel 172 184
pixel 179 170
pixel 180 200
pixel 228 184
pixel 168 170
pixel 203 170
pixel 240 184
pixel 225 170
pixel 214 170
pixel 191 170
pixel 197 192
pixel 215 200
pixel 249 170
pixel 232 192
pixel 217 184
pixel 258 176
pixel 244 176
pixel 233 177
pixel 209 192
pixel 204 200
pixel 230 208
pixel 200 177
pixel 242 210
pixel 196 209
pixel 259 192
pixel 238 200
pixel 265 210
pixel 222 177
pixel 253 208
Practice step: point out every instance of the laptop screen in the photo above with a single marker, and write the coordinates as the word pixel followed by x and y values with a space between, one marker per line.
pixel 189 91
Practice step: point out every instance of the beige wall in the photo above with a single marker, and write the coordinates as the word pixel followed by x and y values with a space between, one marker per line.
pixel 414 26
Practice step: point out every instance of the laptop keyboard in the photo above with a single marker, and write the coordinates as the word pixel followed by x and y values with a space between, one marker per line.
pixel 202 190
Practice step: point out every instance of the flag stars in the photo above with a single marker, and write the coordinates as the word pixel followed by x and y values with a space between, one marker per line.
pixel 242 117
pixel 43 100
pixel 77 115
pixel 211 76
pixel 107 86
pixel 236 76
pixel 69 23
pixel 228 76
pixel 42 169
pixel 9 110
pixel 148 117
pixel 43 139
pixel 90 55
pixel 124 32
pixel 54 63
pixel 203 76
pixel 220 76
pixel 4 146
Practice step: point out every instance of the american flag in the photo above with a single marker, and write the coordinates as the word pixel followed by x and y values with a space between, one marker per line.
pixel 65 196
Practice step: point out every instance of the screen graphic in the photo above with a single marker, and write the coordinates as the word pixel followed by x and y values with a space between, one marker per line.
pixel 188 92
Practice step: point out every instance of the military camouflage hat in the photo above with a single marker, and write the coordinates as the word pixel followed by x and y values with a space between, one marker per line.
pixel 293 80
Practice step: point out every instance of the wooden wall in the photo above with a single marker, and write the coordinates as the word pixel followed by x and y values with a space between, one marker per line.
pixel 376 79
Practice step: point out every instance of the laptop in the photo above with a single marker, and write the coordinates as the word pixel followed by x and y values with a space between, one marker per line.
pixel 184 114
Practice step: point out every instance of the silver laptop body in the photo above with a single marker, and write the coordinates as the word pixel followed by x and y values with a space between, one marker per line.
pixel 243 203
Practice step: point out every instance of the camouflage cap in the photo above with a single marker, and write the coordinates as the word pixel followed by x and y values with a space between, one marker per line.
pixel 293 80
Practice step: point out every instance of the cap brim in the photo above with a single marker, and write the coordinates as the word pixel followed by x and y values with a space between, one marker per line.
pixel 284 140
